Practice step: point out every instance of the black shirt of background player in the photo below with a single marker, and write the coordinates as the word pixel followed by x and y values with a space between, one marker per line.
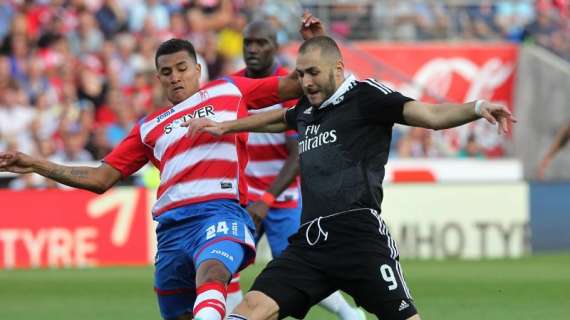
pixel 344 145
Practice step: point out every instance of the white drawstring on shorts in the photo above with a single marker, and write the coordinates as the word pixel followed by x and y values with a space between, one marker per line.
pixel 321 231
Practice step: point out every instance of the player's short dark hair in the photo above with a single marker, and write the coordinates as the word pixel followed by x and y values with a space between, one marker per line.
pixel 327 45
pixel 175 45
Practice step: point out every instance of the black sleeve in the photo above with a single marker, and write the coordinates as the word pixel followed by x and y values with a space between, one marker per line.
pixel 382 104
pixel 291 117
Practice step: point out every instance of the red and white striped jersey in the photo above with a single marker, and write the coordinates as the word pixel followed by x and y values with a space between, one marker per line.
pixel 267 154
pixel 204 167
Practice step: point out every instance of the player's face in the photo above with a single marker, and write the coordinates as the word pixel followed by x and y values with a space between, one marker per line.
pixel 179 76
pixel 317 76
pixel 258 51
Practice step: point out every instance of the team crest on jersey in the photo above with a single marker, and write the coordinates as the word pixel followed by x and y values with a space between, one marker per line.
pixel 203 112
pixel 204 95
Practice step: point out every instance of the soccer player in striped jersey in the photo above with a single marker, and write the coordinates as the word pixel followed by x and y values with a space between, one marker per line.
pixel 345 128
pixel 204 234
pixel 273 167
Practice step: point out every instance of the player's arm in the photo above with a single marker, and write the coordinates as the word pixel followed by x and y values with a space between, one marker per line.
pixel 289 171
pixel 449 115
pixel 259 209
pixel 560 141
pixel 97 180
pixel 270 121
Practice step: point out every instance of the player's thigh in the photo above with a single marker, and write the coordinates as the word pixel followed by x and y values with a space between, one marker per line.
pixel 294 282
pixel 174 283
pixel 279 225
pixel 378 285
pixel 224 238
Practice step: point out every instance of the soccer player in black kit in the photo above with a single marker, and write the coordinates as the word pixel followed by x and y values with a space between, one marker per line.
pixel 345 128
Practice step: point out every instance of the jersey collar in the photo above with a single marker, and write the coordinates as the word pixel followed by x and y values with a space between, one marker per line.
pixel 338 96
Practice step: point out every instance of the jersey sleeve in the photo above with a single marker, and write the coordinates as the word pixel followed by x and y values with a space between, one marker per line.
pixel 258 93
pixel 291 118
pixel 130 155
pixel 381 104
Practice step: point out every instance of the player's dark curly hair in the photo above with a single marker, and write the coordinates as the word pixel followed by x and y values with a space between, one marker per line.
pixel 173 46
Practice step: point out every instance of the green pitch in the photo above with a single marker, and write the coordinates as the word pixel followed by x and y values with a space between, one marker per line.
pixel 530 288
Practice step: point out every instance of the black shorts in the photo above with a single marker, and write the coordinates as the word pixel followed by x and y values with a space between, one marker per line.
pixel 351 251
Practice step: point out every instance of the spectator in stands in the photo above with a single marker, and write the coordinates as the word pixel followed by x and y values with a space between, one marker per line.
pixel 472 149
pixel 419 143
pixel 154 10
pixel 16 117
pixel 73 148
pixel 111 18
pixel 87 38
pixel 483 20
pixel 432 20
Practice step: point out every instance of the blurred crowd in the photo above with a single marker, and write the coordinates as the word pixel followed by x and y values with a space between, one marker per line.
pixel 76 75
pixel 544 22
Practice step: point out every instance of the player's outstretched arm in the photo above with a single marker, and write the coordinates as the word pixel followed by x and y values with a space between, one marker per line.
pixel 449 115
pixel 97 180
pixel 270 121
pixel 559 142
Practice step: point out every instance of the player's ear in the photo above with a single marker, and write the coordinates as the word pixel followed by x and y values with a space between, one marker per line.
pixel 339 67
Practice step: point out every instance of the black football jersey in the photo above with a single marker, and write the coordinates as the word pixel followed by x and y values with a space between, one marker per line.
pixel 343 146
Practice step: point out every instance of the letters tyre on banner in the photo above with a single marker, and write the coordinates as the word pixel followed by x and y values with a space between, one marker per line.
pixel 458 220
pixel 72 228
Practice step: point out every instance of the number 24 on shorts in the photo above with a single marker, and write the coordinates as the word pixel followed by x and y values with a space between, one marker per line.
pixel 221 228
pixel 388 276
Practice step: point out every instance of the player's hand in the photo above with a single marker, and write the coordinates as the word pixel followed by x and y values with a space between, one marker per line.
pixel 258 211
pixel 311 26
pixel 200 125
pixel 16 162
pixel 497 114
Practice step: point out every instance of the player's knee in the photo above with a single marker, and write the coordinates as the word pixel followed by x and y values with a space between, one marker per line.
pixel 212 271
pixel 257 306
pixel 415 317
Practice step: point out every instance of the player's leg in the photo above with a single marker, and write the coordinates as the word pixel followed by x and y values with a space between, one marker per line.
pixel 289 286
pixel 374 276
pixel 235 295
pixel 279 225
pixel 335 303
pixel 224 247
pixel 256 305
pixel 215 267
pixel 174 274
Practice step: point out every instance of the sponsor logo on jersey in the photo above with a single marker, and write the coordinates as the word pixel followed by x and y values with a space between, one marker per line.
pixel 164 115
pixel 203 112
pixel 314 138
pixel 223 254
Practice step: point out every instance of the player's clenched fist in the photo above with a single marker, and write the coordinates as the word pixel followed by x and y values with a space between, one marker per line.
pixel 15 162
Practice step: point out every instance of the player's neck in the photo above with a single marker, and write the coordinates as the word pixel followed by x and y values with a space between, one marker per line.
pixel 267 72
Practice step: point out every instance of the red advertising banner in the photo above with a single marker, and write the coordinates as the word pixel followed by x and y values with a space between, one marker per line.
pixel 72 228
pixel 440 72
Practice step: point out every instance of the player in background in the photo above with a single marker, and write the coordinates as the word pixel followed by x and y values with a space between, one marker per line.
pixel 560 141
pixel 273 168
pixel 204 235
pixel 345 128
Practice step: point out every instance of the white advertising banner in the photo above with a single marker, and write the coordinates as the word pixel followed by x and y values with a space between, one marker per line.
pixel 469 221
